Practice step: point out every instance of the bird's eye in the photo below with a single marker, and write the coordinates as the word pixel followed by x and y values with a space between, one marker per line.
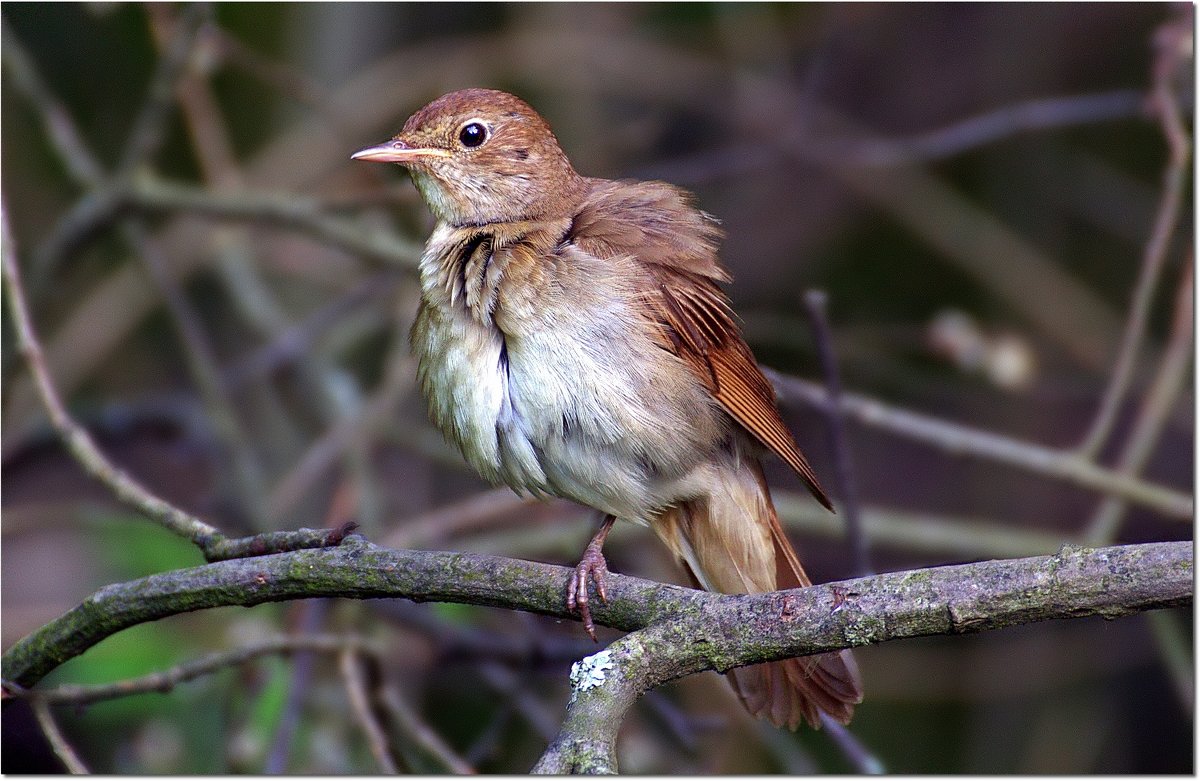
pixel 472 134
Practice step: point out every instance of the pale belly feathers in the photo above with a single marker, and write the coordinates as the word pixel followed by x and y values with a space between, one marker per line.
pixel 550 396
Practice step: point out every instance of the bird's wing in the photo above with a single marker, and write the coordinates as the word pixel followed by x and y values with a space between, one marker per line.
pixel 708 339
pixel 677 245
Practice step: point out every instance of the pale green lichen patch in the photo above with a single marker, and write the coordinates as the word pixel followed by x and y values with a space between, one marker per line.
pixel 590 672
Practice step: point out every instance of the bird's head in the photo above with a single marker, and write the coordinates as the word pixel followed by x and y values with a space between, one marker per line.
pixel 481 156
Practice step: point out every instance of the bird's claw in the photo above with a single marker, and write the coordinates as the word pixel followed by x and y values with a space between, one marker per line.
pixel 591 567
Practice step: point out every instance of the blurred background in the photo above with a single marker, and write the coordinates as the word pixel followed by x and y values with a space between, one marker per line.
pixel 982 190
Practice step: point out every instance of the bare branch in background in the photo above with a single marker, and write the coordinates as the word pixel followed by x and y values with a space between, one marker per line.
pixel 988 128
pixel 212 543
pixel 1172 57
pixel 80 165
pixel 248 478
pixel 861 758
pixel 955 438
pixel 62 747
pixel 281 208
pixel 166 680
pixel 354 678
pixel 150 125
pixel 74 437
pixel 1169 382
pixel 414 730
pixel 308 617
pixel 815 303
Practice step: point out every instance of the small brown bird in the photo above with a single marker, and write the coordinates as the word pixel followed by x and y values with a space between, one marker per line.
pixel 573 341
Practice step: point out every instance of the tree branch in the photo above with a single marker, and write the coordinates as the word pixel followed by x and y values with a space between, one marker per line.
pixel 987 128
pixel 414 730
pixel 61 130
pixel 276 208
pixel 355 680
pixel 1173 42
pixel 1169 381
pixel 845 479
pixel 357 569
pixel 956 438
pixel 164 681
pixel 683 631
pixel 58 742
pixel 79 443
pixel 732 631
pixel 150 125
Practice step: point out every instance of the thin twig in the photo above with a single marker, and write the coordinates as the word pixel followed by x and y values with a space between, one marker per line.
pixel 287 80
pixel 683 727
pixel 532 708
pixel 165 681
pixel 498 654
pixel 149 127
pixel 939 537
pixel 844 474
pixel 201 360
pixel 988 128
pixel 287 209
pixel 325 384
pixel 122 294
pixel 311 619
pixel 1170 380
pixel 80 444
pixel 344 433
pixel 102 205
pixel 1174 640
pixel 1165 104
pixel 295 341
pixel 525 646
pixel 175 35
pixel 964 440
pixel 207 128
pixel 862 759
pixel 354 680
pixel 96 208
pixel 418 732
pixel 471 513
pixel 80 164
pixel 83 222
pixel 62 747
pixel 486 741
pixel 76 439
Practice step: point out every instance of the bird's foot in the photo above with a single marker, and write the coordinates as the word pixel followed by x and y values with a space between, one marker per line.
pixel 591 567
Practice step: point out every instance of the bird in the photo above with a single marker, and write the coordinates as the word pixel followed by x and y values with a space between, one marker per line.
pixel 573 340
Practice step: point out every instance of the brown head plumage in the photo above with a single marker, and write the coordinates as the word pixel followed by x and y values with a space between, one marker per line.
pixel 483 156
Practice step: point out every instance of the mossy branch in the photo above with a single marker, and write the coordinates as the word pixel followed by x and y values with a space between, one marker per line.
pixel 675 631
pixel 731 631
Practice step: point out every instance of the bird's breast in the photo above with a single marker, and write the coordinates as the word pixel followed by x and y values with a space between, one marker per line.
pixel 561 389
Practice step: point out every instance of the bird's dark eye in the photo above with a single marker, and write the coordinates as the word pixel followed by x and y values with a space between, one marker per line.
pixel 473 134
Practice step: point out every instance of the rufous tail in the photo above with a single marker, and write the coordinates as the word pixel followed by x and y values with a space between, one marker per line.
pixel 731 542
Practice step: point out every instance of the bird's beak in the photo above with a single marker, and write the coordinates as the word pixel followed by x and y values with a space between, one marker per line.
pixel 396 151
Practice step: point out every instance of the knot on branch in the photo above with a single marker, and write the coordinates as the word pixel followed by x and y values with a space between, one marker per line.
pixel 220 548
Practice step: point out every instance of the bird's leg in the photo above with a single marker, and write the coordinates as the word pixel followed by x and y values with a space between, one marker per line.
pixel 592 567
